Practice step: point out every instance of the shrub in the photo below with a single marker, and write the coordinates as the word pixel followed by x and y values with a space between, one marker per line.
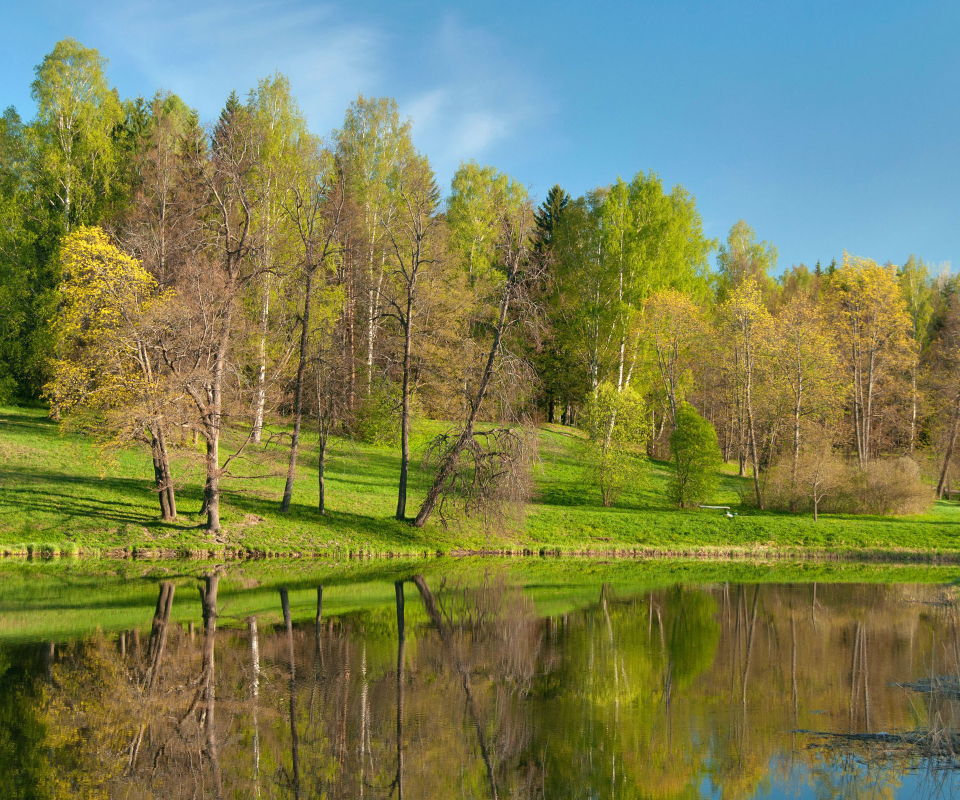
pixel 696 458
pixel 889 486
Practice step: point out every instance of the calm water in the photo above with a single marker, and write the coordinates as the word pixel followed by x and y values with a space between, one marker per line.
pixel 476 685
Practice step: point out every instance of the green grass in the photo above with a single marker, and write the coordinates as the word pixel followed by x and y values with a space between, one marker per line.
pixel 59 496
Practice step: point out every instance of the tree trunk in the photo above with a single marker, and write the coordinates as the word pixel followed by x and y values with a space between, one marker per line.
pixel 298 394
pixel 158 479
pixel 321 479
pixel 211 499
pixel 167 477
pixel 405 413
pixel 796 446
pixel 260 394
pixel 951 443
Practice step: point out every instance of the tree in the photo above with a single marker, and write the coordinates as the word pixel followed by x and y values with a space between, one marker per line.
pixel 943 359
pixel 873 329
pixel 472 211
pixel 314 206
pixel 76 116
pixel 280 130
pixel 548 216
pixel 820 471
pixel 673 326
pixel 918 294
pixel 616 424
pixel 371 143
pixel 502 304
pixel 696 457
pixel 412 233
pixel 204 324
pixel 748 326
pixel 20 290
pixel 805 358
pixel 743 258
pixel 159 224
pixel 107 373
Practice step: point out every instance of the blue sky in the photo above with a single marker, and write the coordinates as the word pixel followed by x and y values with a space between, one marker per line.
pixel 827 126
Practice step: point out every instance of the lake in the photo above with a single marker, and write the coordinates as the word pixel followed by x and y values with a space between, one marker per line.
pixel 524 678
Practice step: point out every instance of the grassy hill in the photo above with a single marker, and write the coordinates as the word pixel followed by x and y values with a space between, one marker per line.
pixel 59 493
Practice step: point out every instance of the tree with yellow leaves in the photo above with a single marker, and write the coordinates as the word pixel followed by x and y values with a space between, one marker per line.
pixel 876 347
pixel 747 326
pixel 106 375
pixel 806 362
pixel 672 327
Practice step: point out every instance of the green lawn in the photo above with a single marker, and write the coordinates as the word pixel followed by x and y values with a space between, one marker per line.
pixel 57 492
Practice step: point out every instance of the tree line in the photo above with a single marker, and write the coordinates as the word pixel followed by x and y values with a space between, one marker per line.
pixel 163 282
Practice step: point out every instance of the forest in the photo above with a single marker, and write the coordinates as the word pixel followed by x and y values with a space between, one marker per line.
pixel 206 292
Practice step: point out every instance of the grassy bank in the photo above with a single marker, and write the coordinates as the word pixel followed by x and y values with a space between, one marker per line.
pixel 59 494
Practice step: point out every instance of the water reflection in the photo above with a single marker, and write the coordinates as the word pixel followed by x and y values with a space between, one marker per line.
pixel 461 690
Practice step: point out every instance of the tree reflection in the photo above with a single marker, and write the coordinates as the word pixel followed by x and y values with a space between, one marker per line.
pixel 470 693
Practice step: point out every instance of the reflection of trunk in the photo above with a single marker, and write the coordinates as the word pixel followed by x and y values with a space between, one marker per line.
pixel 155 650
pixel 294 741
pixel 859 679
pixel 401 649
pixel 430 605
pixel 749 656
pixel 49 656
pixel 255 694
pixel 208 599
pixel 158 633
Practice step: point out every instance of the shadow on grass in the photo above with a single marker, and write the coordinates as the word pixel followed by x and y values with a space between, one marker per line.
pixel 385 531
pixel 28 493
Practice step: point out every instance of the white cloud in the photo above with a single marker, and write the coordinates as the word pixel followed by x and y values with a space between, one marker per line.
pixel 203 52
pixel 477 97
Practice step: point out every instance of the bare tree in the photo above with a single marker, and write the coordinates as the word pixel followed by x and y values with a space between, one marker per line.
pixel 516 270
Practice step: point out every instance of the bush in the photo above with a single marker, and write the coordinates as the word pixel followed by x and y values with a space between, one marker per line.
pixel 886 487
pixel 891 486
pixel 696 458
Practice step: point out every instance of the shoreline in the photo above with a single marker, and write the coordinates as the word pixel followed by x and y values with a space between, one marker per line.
pixel 760 554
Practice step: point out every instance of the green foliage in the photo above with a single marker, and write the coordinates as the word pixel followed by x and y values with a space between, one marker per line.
pixel 742 258
pixel 696 458
pixel 616 423
pixel 479 198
